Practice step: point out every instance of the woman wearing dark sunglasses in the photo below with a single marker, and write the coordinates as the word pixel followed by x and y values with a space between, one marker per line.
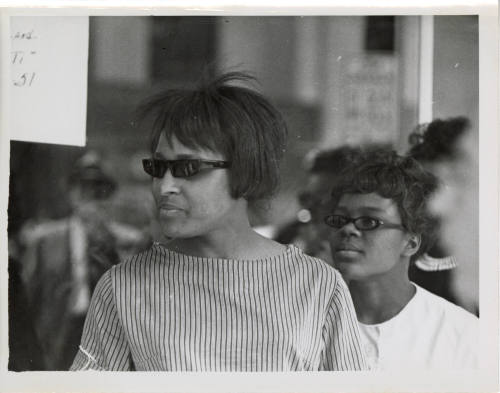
pixel 216 295
pixel 379 224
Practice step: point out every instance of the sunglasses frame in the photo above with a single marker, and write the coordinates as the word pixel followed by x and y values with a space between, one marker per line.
pixel 379 223
pixel 148 165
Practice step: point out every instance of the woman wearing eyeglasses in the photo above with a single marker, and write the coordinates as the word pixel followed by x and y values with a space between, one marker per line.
pixel 216 295
pixel 377 224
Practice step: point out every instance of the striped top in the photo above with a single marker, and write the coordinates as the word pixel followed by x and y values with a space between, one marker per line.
pixel 166 311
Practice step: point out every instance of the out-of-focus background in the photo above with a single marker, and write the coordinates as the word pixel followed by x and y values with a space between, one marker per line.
pixel 337 79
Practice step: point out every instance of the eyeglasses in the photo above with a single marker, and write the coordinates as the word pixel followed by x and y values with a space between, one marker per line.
pixel 364 223
pixel 180 168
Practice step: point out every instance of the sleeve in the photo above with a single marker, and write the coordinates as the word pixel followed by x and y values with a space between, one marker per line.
pixel 104 345
pixel 342 341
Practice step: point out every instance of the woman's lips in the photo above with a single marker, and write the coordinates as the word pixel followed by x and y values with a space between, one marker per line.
pixel 347 250
pixel 170 210
pixel 347 247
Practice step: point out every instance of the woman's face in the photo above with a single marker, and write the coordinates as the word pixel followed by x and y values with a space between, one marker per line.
pixel 197 205
pixel 362 255
pixel 456 200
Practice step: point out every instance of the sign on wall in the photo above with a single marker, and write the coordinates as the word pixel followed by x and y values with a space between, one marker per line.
pixel 369 99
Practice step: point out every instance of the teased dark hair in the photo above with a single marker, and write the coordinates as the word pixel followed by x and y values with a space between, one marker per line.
pixel 436 141
pixel 232 120
pixel 399 178
pixel 333 160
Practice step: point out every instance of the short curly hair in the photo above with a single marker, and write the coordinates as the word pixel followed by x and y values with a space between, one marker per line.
pixel 396 177
pixel 235 121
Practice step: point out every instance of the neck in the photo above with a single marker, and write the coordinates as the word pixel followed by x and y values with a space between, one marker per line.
pixel 234 240
pixel 380 298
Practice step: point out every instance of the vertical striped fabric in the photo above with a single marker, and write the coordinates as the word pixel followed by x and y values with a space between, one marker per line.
pixel 165 311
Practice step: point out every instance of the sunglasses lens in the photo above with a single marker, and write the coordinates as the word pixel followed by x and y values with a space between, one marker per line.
pixel 147 165
pixel 178 168
pixel 366 223
pixel 155 168
pixel 185 168
pixel 335 221
pixel 338 221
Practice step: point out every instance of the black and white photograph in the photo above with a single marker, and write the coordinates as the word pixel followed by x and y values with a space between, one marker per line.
pixel 219 199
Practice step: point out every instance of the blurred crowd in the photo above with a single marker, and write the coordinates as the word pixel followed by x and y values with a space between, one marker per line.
pixel 54 265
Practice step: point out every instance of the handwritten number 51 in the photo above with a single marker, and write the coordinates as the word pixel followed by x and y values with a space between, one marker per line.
pixel 25 79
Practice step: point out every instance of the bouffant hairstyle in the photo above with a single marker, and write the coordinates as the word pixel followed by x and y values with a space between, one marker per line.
pixel 399 178
pixel 233 120
pixel 436 141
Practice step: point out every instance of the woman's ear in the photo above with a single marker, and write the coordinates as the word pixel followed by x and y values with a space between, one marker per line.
pixel 412 245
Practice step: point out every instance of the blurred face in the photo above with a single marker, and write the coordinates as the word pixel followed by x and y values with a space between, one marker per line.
pixel 193 206
pixel 361 255
pixel 87 204
pixel 316 194
pixel 456 203
pixel 315 197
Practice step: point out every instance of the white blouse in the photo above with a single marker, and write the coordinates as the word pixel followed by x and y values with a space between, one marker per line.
pixel 430 333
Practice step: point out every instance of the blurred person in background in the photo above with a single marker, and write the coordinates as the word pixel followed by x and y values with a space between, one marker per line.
pixel 456 203
pixel 216 295
pixel 435 146
pixel 308 231
pixel 62 260
pixel 379 222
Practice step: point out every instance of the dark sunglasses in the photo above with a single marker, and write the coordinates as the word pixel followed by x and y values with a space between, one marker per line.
pixel 180 168
pixel 364 223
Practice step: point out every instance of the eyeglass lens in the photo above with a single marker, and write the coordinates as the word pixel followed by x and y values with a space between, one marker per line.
pixel 361 223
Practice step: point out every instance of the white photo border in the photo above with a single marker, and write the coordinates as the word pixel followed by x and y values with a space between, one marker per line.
pixel 485 379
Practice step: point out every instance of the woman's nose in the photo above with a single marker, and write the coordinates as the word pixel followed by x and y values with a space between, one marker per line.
pixel 349 229
pixel 168 184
